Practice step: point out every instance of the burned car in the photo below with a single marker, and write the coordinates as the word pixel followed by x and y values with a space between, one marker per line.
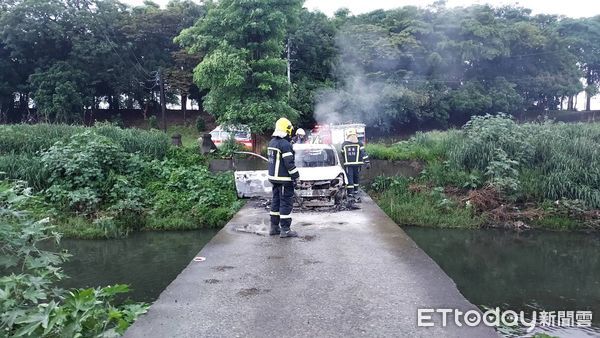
pixel 322 179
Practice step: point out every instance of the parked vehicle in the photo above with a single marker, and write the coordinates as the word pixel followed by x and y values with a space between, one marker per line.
pixel 241 134
pixel 335 133
pixel 322 177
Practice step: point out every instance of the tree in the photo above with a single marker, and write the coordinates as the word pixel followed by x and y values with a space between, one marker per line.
pixel 583 37
pixel 313 57
pixel 57 94
pixel 243 69
pixel 180 76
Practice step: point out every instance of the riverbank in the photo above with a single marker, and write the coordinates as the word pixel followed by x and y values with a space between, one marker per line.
pixel 496 173
pixel 105 181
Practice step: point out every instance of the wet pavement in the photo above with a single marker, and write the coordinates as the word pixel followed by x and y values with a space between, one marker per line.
pixel 350 273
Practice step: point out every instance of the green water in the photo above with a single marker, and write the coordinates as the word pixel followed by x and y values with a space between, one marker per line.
pixel 517 271
pixel 147 261
pixel 520 271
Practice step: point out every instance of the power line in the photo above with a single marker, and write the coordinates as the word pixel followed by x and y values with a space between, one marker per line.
pixel 144 72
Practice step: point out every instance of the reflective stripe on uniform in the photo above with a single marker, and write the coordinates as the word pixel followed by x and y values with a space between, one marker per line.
pixel 277 160
pixel 293 171
pixel 287 154
pixel 345 154
pixel 285 216
pixel 350 186
pixel 280 178
pixel 274 213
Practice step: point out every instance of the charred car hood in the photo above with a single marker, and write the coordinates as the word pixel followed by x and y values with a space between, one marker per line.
pixel 319 173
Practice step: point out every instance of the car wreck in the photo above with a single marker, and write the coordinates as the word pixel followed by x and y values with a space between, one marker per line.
pixel 322 180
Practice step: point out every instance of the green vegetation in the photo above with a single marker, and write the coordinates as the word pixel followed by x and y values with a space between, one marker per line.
pixel 31 304
pixel 242 68
pixel 29 139
pixel 189 134
pixel 394 69
pixel 411 204
pixel 106 181
pixel 497 172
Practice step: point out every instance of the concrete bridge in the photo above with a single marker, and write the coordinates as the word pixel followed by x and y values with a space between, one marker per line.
pixel 351 273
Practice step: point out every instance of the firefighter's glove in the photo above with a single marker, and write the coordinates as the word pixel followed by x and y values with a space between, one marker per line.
pixel 295 183
pixel 368 165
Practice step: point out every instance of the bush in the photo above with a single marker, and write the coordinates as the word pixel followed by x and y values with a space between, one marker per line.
pixel 484 136
pixel 153 122
pixel 31 303
pixel 230 147
pixel 200 124
pixel 205 198
pixel 89 172
pixel 93 186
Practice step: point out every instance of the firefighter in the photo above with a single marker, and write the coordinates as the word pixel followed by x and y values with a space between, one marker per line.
pixel 354 156
pixel 300 137
pixel 283 175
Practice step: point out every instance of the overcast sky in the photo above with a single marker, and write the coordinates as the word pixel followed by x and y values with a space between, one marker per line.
pixel 572 8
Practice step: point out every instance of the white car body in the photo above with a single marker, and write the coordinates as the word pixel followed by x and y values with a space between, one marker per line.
pixel 241 134
pixel 322 179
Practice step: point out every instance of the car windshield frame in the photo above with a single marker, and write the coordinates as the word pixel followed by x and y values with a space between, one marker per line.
pixel 242 135
pixel 315 158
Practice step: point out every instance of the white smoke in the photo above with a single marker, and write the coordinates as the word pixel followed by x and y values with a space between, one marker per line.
pixel 361 97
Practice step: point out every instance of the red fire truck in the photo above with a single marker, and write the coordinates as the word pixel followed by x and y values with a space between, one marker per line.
pixel 336 133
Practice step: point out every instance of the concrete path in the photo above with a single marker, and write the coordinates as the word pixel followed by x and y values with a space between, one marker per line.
pixel 351 273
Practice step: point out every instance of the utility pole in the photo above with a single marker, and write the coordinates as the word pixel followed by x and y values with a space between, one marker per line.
pixel 163 103
pixel 289 73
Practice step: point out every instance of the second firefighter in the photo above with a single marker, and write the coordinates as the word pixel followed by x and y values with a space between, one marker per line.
pixel 354 156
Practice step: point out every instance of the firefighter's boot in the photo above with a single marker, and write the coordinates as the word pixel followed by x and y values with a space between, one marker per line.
pixel 274 226
pixel 287 233
pixel 285 229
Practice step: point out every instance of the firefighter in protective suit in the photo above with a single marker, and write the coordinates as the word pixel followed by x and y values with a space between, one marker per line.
pixel 283 175
pixel 300 137
pixel 354 156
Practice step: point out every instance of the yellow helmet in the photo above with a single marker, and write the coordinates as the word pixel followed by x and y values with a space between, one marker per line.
pixel 284 125
pixel 350 132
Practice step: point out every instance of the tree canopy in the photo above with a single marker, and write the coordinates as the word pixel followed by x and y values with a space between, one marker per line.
pixel 243 69
pixel 390 68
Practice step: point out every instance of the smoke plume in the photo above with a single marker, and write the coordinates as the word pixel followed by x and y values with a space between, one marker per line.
pixel 363 95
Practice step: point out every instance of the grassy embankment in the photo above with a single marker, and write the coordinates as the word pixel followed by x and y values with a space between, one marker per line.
pixel 495 172
pixel 105 181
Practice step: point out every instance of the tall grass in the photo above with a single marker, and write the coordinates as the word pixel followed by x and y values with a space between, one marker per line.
pixel 421 208
pixel 26 167
pixel 553 160
pixel 429 147
pixel 30 139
